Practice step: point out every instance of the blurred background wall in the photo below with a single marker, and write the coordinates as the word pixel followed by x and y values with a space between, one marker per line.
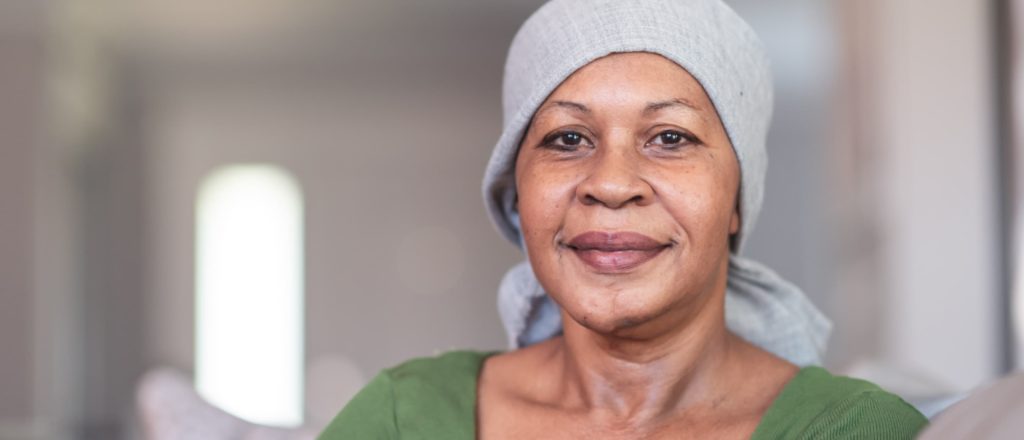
pixel 883 198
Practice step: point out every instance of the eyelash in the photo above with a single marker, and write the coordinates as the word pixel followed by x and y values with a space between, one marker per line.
pixel 686 138
pixel 550 141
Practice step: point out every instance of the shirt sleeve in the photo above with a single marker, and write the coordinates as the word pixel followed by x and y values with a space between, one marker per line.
pixel 867 415
pixel 369 415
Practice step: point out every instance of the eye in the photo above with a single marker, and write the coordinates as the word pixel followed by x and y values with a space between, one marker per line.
pixel 672 139
pixel 565 140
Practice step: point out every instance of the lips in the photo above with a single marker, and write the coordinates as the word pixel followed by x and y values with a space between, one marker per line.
pixel 615 252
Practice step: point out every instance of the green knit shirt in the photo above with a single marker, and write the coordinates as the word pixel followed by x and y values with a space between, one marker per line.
pixel 435 398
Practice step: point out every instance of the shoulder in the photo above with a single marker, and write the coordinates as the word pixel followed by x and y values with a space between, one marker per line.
pixel 370 414
pixel 521 374
pixel 445 368
pixel 819 405
pixel 432 395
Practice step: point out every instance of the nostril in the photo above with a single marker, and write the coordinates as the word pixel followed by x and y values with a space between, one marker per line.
pixel 590 199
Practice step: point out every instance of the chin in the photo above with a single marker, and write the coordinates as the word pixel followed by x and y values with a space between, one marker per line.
pixel 611 313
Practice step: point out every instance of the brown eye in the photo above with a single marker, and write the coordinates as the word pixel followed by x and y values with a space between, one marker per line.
pixel 564 140
pixel 672 139
pixel 571 138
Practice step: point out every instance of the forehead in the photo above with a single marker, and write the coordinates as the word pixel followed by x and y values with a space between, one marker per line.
pixel 634 78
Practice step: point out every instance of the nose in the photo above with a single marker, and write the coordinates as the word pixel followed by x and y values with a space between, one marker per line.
pixel 614 181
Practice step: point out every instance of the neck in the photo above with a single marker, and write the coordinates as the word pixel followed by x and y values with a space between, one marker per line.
pixel 643 379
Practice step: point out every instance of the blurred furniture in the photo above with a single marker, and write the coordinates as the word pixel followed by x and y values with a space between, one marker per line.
pixel 170 409
pixel 992 412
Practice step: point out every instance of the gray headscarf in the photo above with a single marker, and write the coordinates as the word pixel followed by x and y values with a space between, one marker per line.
pixel 720 50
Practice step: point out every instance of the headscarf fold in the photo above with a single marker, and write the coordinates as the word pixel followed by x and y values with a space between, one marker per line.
pixel 720 50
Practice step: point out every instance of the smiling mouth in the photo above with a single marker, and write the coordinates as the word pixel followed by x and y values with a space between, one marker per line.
pixel 615 252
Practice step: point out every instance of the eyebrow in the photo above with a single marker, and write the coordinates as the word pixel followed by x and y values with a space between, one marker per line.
pixel 571 105
pixel 676 102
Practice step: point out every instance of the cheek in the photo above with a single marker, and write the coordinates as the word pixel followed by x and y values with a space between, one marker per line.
pixel 701 203
pixel 544 197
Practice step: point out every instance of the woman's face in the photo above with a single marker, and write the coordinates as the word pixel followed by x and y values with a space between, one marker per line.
pixel 627 189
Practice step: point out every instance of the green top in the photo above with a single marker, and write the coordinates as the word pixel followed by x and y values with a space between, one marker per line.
pixel 435 398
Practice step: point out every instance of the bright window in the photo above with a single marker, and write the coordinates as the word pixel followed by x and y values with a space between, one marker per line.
pixel 249 293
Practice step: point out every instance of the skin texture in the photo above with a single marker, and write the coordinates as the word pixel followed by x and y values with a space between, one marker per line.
pixel 630 143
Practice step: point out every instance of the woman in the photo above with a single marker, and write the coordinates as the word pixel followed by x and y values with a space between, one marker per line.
pixel 630 170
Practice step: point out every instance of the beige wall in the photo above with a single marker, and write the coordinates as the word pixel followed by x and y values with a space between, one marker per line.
pixel 20 57
pixel 22 70
pixel 929 120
